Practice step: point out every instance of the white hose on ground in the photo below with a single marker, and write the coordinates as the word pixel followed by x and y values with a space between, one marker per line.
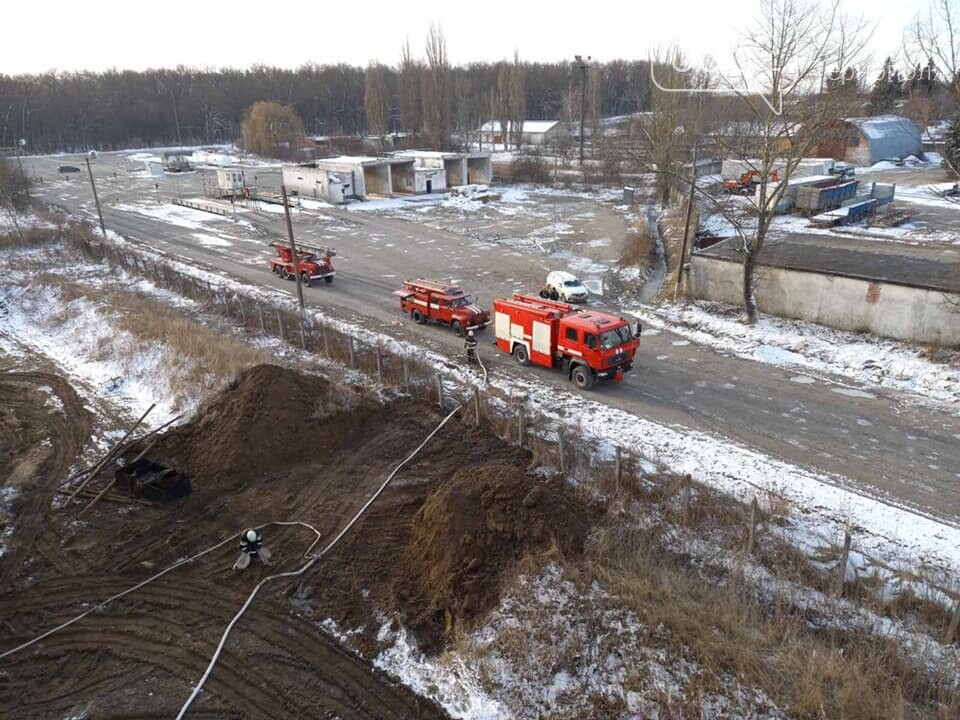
pixel 482 367
pixel 329 546
pixel 179 563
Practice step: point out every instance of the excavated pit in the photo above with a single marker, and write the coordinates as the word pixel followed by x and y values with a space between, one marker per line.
pixel 280 445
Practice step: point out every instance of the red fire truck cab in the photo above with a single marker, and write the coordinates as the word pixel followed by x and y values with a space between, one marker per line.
pixel 588 345
pixel 441 302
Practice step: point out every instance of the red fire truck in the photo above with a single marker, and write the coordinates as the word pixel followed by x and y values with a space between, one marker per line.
pixel 588 345
pixel 441 302
pixel 314 263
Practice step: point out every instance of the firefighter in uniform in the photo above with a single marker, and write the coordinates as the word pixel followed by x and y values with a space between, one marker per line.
pixel 251 547
pixel 470 345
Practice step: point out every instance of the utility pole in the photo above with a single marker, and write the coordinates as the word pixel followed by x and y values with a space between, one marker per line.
pixel 26 186
pixel 96 199
pixel 293 250
pixel 686 224
pixel 582 64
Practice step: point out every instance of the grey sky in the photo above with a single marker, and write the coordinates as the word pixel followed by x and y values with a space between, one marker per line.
pixel 96 34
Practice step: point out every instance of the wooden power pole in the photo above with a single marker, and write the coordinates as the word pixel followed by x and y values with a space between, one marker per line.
pixel 686 224
pixel 96 199
pixel 293 250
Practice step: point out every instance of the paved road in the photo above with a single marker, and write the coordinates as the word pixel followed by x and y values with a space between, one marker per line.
pixel 886 443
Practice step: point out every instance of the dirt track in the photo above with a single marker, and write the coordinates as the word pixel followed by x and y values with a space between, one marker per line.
pixel 259 453
pixel 43 427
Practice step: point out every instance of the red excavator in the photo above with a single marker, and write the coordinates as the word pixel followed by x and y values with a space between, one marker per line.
pixel 745 183
pixel 313 263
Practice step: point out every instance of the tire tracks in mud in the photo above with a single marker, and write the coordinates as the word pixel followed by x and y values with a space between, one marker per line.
pixel 163 630
pixel 24 401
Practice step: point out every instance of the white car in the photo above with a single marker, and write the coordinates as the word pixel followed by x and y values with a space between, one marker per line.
pixel 564 286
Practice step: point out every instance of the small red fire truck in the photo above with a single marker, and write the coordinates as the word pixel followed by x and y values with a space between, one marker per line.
pixel 588 345
pixel 441 302
pixel 314 263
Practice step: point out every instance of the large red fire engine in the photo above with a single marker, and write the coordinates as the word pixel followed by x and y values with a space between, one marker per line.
pixel 588 345
pixel 441 302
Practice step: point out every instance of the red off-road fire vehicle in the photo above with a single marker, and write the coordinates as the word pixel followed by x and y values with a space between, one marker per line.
pixel 441 302
pixel 588 345
pixel 312 263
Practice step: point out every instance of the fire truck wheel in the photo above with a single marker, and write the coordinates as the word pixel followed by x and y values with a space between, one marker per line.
pixel 554 295
pixel 582 377
pixel 328 279
pixel 283 273
pixel 521 355
pixel 305 279
pixel 417 316
pixel 457 328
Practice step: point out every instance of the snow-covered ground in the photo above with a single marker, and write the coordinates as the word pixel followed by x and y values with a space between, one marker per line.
pixel 811 348
pixel 582 650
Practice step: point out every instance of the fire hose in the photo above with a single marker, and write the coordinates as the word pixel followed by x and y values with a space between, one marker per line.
pixel 311 562
pixel 294 573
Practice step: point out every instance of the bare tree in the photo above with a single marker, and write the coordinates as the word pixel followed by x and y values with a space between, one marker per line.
pixel 778 72
pixel 517 100
pixel 659 138
pixel 411 117
pixel 932 42
pixel 375 99
pixel 595 109
pixel 935 38
pixel 437 91
pixel 14 192
pixel 272 130
pixel 507 129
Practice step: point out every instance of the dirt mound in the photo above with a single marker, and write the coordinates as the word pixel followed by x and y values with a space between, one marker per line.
pixel 470 532
pixel 268 419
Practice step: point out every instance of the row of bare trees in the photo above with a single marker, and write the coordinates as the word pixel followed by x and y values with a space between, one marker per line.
pixel 76 111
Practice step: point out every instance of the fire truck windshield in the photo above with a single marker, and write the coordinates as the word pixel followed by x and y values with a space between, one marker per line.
pixel 460 301
pixel 613 338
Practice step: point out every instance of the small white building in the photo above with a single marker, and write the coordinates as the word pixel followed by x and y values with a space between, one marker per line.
pixel 327 184
pixel 224 182
pixel 533 132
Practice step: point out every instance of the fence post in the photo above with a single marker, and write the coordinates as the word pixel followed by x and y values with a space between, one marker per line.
pixel 686 499
pixel 353 354
pixel 280 323
pixel 243 312
pixel 326 341
pixel 439 390
pixel 562 451
pixel 952 627
pixel 521 425
pixel 379 364
pixel 619 467
pixel 263 327
pixel 751 536
pixel 179 284
pixel 844 557
pixel 476 405
pixel 303 335
pixel 406 376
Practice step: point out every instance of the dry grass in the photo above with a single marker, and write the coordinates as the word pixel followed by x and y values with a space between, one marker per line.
pixel 810 673
pixel 207 354
pixel 32 237
pixel 639 248
pixel 205 358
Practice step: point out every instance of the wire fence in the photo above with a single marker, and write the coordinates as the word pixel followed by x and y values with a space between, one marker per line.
pixel 617 470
